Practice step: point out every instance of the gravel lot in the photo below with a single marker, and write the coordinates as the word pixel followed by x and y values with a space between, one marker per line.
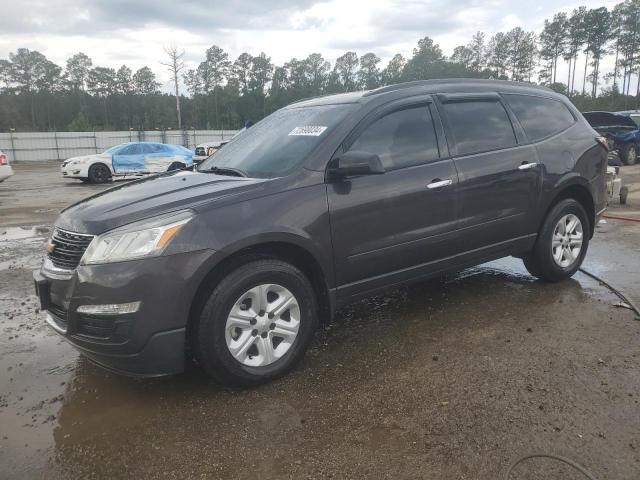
pixel 450 379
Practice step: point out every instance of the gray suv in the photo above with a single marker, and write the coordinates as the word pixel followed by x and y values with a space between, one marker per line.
pixel 322 202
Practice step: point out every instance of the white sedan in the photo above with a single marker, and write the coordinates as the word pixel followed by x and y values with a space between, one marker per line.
pixel 5 168
pixel 126 160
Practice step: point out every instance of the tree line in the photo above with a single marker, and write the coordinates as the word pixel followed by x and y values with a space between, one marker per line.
pixel 221 93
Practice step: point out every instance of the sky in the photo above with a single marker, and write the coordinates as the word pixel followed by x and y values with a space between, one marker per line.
pixel 116 32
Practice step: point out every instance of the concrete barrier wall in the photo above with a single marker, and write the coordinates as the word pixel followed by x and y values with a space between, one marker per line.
pixel 43 146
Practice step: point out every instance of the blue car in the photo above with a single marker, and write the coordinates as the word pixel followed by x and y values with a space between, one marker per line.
pixel 621 131
pixel 126 160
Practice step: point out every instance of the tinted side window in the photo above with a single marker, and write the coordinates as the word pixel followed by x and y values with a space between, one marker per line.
pixel 147 148
pixel 479 126
pixel 540 117
pixel 133 149
pixel 401 139
pixel 154 148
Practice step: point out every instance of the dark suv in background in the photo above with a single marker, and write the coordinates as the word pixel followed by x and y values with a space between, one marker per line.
pixel 322 202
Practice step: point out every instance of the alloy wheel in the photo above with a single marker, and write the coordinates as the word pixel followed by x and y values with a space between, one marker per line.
pixel 262 325
pixel 566 242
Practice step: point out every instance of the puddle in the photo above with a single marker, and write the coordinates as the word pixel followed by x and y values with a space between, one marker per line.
pixel 21 233
pixel 393 376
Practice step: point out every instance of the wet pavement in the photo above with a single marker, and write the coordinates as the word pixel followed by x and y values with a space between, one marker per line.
pixel 453 378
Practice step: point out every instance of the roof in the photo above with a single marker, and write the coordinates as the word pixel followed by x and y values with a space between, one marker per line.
pixel 445 85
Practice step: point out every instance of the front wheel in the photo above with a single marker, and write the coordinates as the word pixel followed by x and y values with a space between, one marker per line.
pixel 561 244
pixel 257 323
pixel 99 173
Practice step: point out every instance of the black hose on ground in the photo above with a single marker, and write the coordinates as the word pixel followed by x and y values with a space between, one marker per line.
pixel 619 293
pixel 567 461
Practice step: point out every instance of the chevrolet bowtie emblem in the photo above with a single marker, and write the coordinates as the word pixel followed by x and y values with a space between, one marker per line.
pixel 50 246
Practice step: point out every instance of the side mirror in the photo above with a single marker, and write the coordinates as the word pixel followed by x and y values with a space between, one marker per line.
pixel 356 163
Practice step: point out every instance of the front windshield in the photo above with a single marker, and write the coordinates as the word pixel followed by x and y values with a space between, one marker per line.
pixel 275 146
pixel 110 150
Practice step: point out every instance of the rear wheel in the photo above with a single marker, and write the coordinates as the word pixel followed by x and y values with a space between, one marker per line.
pixel 175 166
pixel 561 244
pixel 629 154
pixel 257 323
pixel 99 173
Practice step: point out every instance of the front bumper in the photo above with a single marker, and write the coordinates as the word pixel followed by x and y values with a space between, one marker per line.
pixel 74 171
pixel 149 342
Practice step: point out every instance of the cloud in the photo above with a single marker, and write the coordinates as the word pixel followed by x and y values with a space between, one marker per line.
pixel 113 32
pixel 71 17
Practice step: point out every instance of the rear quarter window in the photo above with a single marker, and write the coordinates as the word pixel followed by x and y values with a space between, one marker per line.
pixel 540 117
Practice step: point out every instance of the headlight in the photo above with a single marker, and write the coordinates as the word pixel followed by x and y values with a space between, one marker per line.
pixel 80 161
pixel 146 238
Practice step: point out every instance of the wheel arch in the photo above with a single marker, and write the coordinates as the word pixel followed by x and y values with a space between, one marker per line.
pixel 577 189
pixel 102 163
pixel 291 252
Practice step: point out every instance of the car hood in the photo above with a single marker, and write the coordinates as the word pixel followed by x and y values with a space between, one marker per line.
pixel 97 156
pixel 152 196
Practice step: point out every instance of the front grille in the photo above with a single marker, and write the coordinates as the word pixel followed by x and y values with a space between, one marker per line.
pixel 200 151
pixel 68 248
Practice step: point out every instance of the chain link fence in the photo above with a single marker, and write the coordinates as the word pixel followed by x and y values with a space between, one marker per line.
pixel 44 146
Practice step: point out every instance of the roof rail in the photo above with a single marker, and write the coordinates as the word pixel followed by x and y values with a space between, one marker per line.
pixel 439 81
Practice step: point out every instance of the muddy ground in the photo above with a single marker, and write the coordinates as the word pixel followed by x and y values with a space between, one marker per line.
pixel 449 379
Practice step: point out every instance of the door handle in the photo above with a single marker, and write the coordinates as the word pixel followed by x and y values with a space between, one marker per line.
pixel 437 183
pixel 527 166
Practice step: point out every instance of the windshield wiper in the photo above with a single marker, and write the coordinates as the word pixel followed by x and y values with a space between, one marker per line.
pixel 231 172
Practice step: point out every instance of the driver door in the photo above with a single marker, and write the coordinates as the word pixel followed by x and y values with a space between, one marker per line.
pixel 129 158
pixel 398 225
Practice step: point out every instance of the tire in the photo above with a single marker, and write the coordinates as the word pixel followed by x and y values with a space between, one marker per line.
pixel 540 262
pixel 99 173
pixel 629 154
pixel 624 192
pixel 252 365
pixel 175 166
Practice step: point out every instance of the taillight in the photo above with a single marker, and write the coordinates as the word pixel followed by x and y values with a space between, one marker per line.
pixel 603 141
pixel 3 159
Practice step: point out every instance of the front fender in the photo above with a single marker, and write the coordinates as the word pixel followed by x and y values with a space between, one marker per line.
pixel 285 235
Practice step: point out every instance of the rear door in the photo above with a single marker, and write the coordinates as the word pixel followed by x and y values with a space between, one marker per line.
pixel 392 227
pixel 129 158
pixel 499 173
pixel 157 157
